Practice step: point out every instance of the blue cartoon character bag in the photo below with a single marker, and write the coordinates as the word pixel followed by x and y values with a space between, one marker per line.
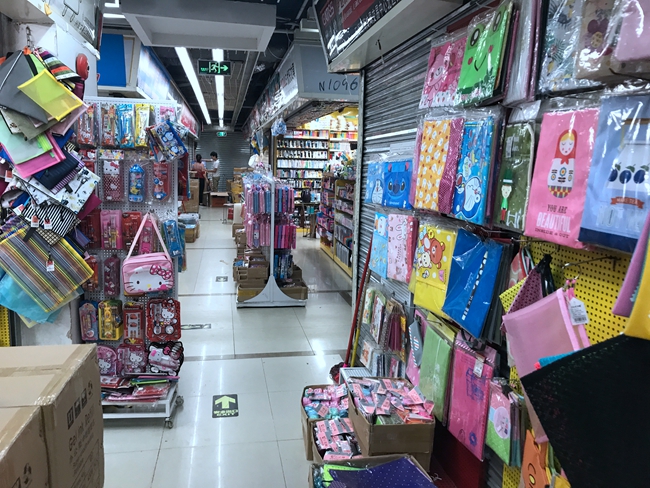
pixel 397 183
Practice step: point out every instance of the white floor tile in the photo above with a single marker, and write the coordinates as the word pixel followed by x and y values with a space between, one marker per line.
pixel 207 378
pixel 265 317
pixel 294 373
pixel 132 435
pixel 132 469
pixel 195 427
pixel 270 339
pixel 286 407
pixel 253 465
pixel 217 341
pixel 329 338
pixel 294 464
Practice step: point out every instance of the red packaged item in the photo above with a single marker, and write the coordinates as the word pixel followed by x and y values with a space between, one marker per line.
pixel 111 229
pixel 89 159
pixel 133 323
pixel 131 360
pixel 91 227
pixel 163 320
pixel 130 224
pixel 93 283
pixel 112 276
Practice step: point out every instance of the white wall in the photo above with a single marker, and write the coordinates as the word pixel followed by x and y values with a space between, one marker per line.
pixel 65 45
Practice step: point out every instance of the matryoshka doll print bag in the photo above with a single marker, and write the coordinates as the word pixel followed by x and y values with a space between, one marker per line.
pixel 147 273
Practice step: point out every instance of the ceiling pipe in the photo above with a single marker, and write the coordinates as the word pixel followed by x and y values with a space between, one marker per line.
pixel 247 75
pixel 302 9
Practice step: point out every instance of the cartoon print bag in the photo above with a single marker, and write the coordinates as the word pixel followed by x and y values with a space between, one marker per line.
pixel 474 170
pixel 397 183
pixel 379 251
pixel 401 241
pixel 515 174
pixel 432 262
pixel 375 183
pixel 559 186
pixel 147 273
pixel 618 191
pixel 445 61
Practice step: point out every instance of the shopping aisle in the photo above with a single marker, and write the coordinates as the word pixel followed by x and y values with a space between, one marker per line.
pixel 264 356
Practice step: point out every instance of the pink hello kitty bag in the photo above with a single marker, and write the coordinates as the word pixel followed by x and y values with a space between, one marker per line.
pixel 147 273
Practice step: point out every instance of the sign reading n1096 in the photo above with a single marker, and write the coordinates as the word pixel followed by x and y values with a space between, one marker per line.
pixel 214 68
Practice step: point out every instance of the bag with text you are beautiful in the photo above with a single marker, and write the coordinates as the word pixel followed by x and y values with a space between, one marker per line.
pixel 147 273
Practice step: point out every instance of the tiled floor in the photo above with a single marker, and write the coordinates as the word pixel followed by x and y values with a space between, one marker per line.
pixel 265 356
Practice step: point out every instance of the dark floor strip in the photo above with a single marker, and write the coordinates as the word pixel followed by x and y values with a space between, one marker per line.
pixel 265 355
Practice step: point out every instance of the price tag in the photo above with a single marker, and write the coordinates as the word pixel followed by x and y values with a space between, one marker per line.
pixel 47 224
pixel 578 312
pixel 9 175
pixel 19 209
pixel 49 266
pixel 478 367
pixel 509 142
pixel 34 222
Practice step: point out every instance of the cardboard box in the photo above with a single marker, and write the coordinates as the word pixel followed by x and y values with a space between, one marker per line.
pixel 298 292
pixel 296 274
pixel 218 199
pixel 249 289
pixel 414 439
pixel 23 455
pixel 191 206
pixel 191 233
pixel 366 462
pixel 307 424
pixel 240 237
pixel 258 272
pixel 64 382
pixel 236 227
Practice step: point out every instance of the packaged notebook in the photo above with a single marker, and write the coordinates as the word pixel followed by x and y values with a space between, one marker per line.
pixel 559 186
pixel 445 60
pixel 379 251
pixel 515 173
pixel 618 192
pixel 484 57
pixel 402 233
pixel 595 42
pixel 475 168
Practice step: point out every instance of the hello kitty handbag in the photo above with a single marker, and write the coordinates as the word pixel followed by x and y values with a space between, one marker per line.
pixel 147 273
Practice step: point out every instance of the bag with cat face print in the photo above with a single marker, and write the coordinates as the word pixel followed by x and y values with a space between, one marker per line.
pixel 147 273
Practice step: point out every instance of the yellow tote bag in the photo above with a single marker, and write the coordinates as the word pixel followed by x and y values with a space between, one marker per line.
pixel 638 325
pixel 50 95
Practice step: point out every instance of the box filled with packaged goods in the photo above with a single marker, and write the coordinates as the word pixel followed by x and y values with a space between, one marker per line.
pixel 235 228
pixel 23 454
pixel 63 382
pixel 249 289
pixel 191 233
pixel 319 402
pixel 294 289
pixel 390 416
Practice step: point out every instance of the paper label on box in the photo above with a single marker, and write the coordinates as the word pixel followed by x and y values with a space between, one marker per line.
pixel 323 442
pixel 330 456
pixel 323 410
pixel 333 427
pixel 321 427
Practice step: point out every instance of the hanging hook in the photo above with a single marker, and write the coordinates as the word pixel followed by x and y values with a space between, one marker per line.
pixel 614 259
pixel 526 242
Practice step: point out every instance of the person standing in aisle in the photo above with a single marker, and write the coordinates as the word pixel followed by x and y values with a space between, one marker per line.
pixel 200 170
pixel 214 170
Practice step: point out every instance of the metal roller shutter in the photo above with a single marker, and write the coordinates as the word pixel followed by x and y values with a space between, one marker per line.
pixel 233 150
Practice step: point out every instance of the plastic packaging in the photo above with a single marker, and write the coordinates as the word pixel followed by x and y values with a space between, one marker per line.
pixel 111 229
pixel 131 360
pixel 137 178
pixel 559 185
pixel 161 190
pixel 166 357
pixel 379 251
pixel 130 225
pixel 134 323
pixel 402 234
pixel 125 125
pixel 618 192
pixel 485 55
pixel 445 61
pixel 112 176
pixel 93 283
pixel 107 360
pixel 91 227
pixel 112 276
pixel 632 52
pixel 108 128
pixel 87 126
pixel 172 238
pixel 561 47
pixel 142 121
pixel 163 319
pixel 110 320
pixel 515 175
pixel 88 321
pixel 519 86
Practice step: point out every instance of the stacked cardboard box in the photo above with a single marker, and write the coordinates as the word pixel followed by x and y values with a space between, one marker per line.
pixel 50 407
pixel 236 227
pixel 192 205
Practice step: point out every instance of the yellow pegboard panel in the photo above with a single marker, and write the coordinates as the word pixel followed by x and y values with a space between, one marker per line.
pixel 598 284
pixel 511 477
pixel 5 331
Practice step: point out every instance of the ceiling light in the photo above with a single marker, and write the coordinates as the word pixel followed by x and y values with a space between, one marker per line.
pixel 184 57
pixel 114 4
pixel 221 123
pixel 114 16
pixel 217 55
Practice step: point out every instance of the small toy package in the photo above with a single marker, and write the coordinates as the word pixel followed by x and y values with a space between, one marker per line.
pixel 112 267
pixel 91 227
pixel 163 319
pixel 335 439
pixel 107 360
pixel 131 359
pixel 327 402
pixel 134 323
pixel 88 321
pixel 112 176
pixel 172 238
pixel 142 121
pixel 110 320
pixel 125 125
pixel 161 190
pixel 111 229
pixel 168 141
pixel 87 127
pixel 93 283
pixel 130 225
pixel 108 125
pixel 137 180
pixel 166 357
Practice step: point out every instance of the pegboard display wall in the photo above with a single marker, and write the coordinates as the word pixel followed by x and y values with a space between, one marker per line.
pixel 598 283
pixel 5 328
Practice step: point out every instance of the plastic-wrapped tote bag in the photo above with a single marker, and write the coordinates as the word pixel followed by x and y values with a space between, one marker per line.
pixel 639 323
pixel 594 407
pixel 49 274
pixel 628 293
pixel 474 271
pixel 470 395
pixel 538 331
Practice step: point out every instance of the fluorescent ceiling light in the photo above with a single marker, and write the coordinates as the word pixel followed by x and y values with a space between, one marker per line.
pixel 114 16
pixel 217 55
pixel 113 4
pixel 183 55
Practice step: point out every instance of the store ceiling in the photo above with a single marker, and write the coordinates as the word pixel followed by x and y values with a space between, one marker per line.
pixel 240 94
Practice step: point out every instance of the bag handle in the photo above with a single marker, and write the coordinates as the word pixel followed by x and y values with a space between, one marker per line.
pixel 137 236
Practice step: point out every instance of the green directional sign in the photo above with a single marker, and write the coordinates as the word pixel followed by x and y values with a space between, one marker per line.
pixel 225 406
pixel 214 68
pixel 222 133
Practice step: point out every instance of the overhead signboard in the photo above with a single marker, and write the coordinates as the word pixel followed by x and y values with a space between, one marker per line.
pixel 209 67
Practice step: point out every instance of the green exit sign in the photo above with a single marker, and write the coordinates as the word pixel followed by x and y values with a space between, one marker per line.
pixel 212 68
pixel 222 133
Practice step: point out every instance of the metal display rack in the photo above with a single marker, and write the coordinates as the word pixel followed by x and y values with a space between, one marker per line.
pixel 271 295
pixel 166 210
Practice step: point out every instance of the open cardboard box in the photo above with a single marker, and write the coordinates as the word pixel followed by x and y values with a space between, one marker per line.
pixel 366 462
pixel 249 289
pixel 297 292
pixel 236 227
pixel 307 423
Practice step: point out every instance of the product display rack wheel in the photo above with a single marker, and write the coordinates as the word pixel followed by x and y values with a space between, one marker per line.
pixel 169 423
